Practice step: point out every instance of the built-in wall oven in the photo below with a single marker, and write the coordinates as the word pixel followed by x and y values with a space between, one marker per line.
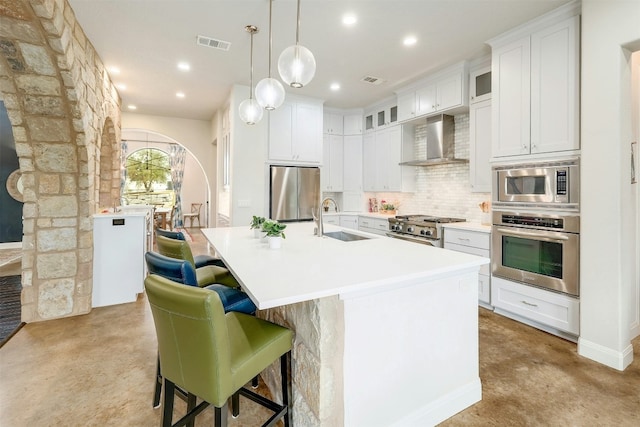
pixel 537 249
pixel 536 224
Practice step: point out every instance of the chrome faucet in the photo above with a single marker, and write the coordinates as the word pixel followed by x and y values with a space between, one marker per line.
pixel 319 231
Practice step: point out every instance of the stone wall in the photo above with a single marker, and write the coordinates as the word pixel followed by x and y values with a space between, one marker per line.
pixel 317 360
pixel 65 114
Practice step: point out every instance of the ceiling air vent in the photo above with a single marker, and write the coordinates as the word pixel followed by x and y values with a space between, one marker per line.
pixel 372 80
pixel 213 43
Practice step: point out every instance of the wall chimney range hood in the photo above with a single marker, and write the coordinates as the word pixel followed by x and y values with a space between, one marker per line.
pixel 440 143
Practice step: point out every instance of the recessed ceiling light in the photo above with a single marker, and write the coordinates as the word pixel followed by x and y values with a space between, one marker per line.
pixel 180 94
pixel 349 19
pixel 184 66
pixel 114 70
pixel 121 86
pixel 335 86
pixel 131 107
pixel 409 41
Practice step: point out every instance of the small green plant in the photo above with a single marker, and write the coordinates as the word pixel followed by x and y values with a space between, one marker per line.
pixel 273 228
pixel 257 221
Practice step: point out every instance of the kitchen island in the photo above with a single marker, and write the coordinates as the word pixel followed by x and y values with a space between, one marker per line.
pixel 386 330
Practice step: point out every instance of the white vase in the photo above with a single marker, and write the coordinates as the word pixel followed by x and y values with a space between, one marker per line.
pixel 275 242
pixel 257 233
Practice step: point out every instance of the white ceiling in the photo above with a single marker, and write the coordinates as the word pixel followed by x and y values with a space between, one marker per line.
pixel 147 38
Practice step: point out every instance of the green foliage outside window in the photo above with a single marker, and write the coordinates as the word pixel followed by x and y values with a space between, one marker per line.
pixel 147 167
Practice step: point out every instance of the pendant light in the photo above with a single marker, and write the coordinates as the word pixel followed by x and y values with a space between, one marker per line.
pixel 269 91
pixel 296 64
pixel 250 111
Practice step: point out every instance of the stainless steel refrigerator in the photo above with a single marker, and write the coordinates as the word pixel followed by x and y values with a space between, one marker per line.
pixel 294 193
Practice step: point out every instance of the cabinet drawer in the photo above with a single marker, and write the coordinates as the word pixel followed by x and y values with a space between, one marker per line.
pixel 373 225
pixel 335 220
pixel 549 308
pixel 470 250
pixel 467 238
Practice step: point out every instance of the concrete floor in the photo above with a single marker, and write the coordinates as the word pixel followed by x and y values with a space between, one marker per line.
pixel 98 370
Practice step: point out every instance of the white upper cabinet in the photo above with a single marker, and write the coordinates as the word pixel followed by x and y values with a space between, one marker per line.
pixel 480 147
pixel 480 84
pixel 535 85
pixel 511 98
pixel 353 124
pixel 444 92
pixel 555 87
pixel 383 151
pixel 381 116
pixel 332 123
pixel 295 132
pixel 332 166
pixel 352 162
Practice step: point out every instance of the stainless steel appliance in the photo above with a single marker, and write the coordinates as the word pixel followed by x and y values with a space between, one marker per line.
pixel 440 139
pixel 549 185
pixel 419 228
pixel 537 249
pixel 294 193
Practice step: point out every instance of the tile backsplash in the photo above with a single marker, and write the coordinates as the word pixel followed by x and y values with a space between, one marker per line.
pixel 442 190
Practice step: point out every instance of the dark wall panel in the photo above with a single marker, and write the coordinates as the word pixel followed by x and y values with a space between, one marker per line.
pixel 10 208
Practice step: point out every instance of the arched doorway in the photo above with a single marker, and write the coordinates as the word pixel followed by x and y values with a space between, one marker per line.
pixel 194 186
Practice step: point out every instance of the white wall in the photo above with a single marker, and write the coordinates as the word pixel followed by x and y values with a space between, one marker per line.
pixel 196 137
pixel 608 208
pixel 248 163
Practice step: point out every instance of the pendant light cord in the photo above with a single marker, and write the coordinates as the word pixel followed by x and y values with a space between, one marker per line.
pixel 270 38
pixel 298 25
pixel 251 29
pixel 251 67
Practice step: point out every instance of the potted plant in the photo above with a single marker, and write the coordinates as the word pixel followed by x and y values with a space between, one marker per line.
pixel 256 225
pixel 274 232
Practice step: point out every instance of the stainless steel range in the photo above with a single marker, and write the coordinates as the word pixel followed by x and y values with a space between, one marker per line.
pixel 419 228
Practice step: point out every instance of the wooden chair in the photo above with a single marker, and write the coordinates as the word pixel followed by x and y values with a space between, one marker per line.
pixel 194 214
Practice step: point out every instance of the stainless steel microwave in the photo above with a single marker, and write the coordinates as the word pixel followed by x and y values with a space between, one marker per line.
pixel 554 185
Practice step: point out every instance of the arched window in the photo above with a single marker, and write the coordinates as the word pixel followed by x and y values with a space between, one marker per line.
pixel 148 178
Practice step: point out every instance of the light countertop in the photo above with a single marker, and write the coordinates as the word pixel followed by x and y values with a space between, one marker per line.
pixel 308 267
pixel 473 226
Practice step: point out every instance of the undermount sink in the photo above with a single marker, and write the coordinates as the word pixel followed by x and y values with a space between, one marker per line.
pixel 345 237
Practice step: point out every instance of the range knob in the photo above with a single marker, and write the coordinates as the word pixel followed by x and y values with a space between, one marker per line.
pixel 410 229
pixel 426 232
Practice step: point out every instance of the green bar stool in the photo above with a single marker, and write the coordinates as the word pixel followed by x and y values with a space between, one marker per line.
pixel 212 354
pixel 207 274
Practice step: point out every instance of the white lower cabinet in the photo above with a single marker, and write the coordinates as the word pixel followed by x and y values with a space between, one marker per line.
pixel 550 311
pixel 349 221
pixel 475 243
pixel 373 225
pixel 331 219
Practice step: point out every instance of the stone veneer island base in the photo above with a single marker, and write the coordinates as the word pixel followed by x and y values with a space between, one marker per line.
pixel 386 330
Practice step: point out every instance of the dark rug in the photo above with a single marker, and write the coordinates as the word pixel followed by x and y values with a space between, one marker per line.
pixel 10 287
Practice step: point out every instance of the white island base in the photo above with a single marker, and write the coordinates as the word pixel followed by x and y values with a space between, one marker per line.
pixel 405 363
pixel 384 342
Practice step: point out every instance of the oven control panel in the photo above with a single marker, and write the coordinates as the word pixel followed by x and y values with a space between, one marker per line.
pixel 533 221
pixel 567 223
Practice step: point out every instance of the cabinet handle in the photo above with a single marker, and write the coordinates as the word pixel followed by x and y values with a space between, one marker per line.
pixel 528 303
pixel 463 239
